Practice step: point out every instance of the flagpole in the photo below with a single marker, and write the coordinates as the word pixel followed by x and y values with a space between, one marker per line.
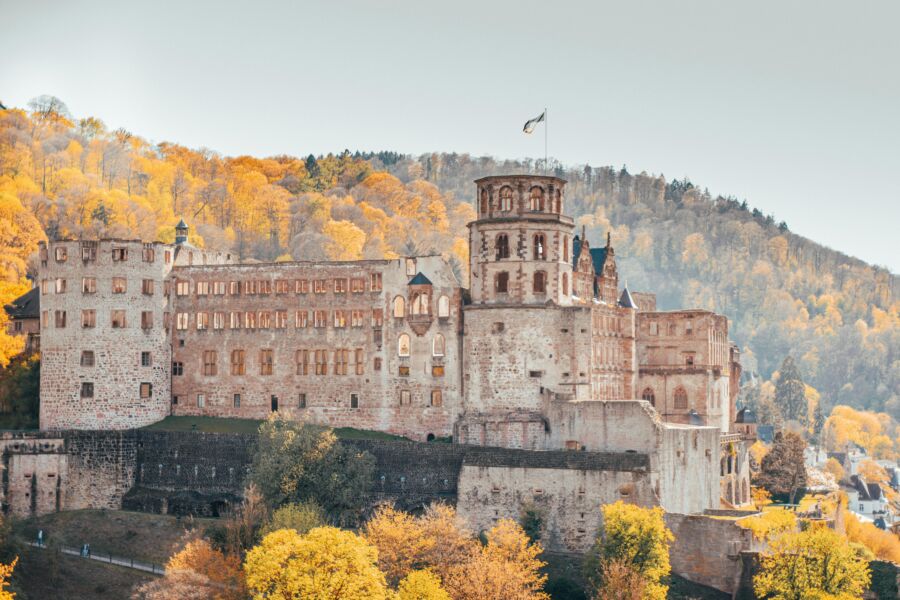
pixel 546 127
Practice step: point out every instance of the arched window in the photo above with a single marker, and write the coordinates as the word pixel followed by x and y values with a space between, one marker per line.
pixel 502 245
pixel 506 197
pixel 403 345
pixel 537 199
pixel 540 248
pixel 399 307
pixel 649 396
pixel 501 282
pixel 443 307
pixel 565 284
pixel 420 304
pixel 673 329
pixel 681 401
pixel 484 202
pixel 437 346
pixel 558 201
pixel 540 282
pixel 565 251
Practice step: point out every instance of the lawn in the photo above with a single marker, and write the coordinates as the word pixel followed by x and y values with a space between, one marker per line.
pixel 41 576
pixel 229 425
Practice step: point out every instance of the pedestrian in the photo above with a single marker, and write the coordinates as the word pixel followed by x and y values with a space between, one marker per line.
pixel 40 538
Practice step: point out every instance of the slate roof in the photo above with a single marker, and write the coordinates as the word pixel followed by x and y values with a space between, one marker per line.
pixel 598 255
pixel 626 300
pixel 745 415
pixel 419 279
pixel 181 225
pixel 867 491
pixel 766 433
pixel 26 306
pixel 576 251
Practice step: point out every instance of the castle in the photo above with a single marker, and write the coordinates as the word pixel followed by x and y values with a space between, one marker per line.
pixel 542 352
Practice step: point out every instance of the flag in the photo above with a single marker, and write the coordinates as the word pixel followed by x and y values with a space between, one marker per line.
pixel 532 123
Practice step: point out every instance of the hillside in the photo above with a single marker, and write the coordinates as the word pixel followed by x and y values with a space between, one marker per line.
pixel 840 318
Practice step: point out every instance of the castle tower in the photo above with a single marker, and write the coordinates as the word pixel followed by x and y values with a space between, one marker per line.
pixel 520 248
pixel 181 232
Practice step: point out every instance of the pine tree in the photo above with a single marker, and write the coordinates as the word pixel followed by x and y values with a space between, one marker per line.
pixel 783 471
pixel 790 391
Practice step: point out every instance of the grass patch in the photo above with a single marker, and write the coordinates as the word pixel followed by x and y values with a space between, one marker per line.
pixel 231 425
pixel 349 433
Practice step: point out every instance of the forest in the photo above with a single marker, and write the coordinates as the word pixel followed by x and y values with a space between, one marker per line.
pixel 838 317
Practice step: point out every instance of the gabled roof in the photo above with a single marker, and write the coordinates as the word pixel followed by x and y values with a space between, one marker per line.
pixel 598 255
pixel 26 306
pixel 626 300
pixel 419 279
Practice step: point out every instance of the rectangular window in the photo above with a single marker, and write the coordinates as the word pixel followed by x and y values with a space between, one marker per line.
pixel 377 317
pixel 219 320
pixel 120 254
pixel 654 328
pixel 182 288
pixel 266 362
pixel 356 318
pixel 181 321
pixel 117 319
pixel 147 287
pixel 88 251
pixel 146 319
pixel 89 318
pixel 177 368
pixel 437 398
pixel 62 254
pixel 201 400
pixel 404 371
pixel 321 362
pixel 234 288
pixel 202 320
pixel 250 320
pixel 60 318
pixel 301 286
pixel 149 254
pixel 235 320
pixel 405 398
pixel 145 359
pixel 209 362
pixel 301 401
pixel 340 285
pixel 376 336
pixel 377 364
pixel 87 389
pixel 375 282
pixel 249 287
pixel 218 288
pixel 45 287
pixel 354 400
pixel 265 319
pixel 357 285
pixel 60 286
pixel 688 327
pixel 203 288
pixel 43 253
pixel 281 286
pixel 237 400
pixel 280 319
pixel 237 362
pixel 340 318
pixel 119 285
pixel 437 370
pixel 320 286
pixel 87 358
pixel 358 364
pixel 301 319
pixel 167 288
pixel 168 259
pixel 410 267
pixel 265 286
pixel 340 361
pixel 167 318
pixel 146 389
pixel 302 359
pixel 320 318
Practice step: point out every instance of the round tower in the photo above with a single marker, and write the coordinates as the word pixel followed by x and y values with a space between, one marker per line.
pixel 520 247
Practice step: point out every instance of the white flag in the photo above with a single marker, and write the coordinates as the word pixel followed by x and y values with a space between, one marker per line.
pixel 532 123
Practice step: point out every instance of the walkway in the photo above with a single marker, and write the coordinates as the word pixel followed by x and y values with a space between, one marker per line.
pixel 129 563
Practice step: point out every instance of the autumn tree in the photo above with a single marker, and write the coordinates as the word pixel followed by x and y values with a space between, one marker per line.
pixel 835 468
pixel 6 572
pixel 325 564
pixel 197 571
pixel 801 565
pixel 635 538
pixel 783 469
pixel 421 585
pixel 299 516
pixel 790 391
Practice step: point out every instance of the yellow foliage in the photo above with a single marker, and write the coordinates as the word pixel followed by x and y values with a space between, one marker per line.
pixel 883 544
pixel 835 468
pixel 224 571
pixel 421 585
pixel 758 451
pixel 6 572
pixel 401 542
pixel 346 240
pixel 770 524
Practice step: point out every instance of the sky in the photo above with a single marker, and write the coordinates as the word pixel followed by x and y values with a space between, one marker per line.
pixel 793 106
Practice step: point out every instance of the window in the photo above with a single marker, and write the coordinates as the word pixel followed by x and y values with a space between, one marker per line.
pixel 181 321
pixel 249 287
pixel 280 319
pixel 506 197
pixel 377 317
pixel 301 318
pixel 375 282
pixel 119 254
pixel 250 320
pixel 146 319
pixel 654 328
pixel 119 285
pixel 688 327
pixel 405 398
pixel 45 287
pixel 149 254
pixel 146 389
pixel 537 199
pixel 234 288
pixel 201 400
pixel 437 370
pixel 540 252
pixel 539 285
pixel 410 267
pixel 60 316
pixel 377 363
pixel 340 318
pixel 501 282
pixel 237 362
pixel 320 286
pixel 420 304
pixel 399 307
pixel 178 368
pixel 558 201
pixel 443 307
pixel 218 288
pixel 87 389
pixel 681 401
pixel 88 251
pixel 88 318
pixel 340 285
pixel 281 286
pixel 301 286
pixel 302 359
pixel 301 401
pixel 437 345
pixel 565 251
pixel 202 288
pixel 219 320
pixel 341 358
pixel 237 401
pixel 502 246
pixel 320 318
pixel 565 284
pixel 234 320
pixel 484 202
pixel 209 362
pixel 649 396
pixel 265 286
pixel 354 400
pixel 356 318
pixel 689 360
pixel 87 358
pixel 202 320
pixel 321 357
pixel 182 288
pixel 60 286
pixel 403 345
pixel 62 255
pixel 357 285
pixel 147 287
pixel 436 398
pixel 45 319
pixel 168 259
pixel 673 329
pixel 358 364
pixel 146 359
pixel 266 362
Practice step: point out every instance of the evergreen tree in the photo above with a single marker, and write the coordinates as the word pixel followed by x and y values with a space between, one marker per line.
pixel 783 471
pixel 790 391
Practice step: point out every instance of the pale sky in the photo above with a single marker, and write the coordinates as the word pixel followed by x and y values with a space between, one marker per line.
pixel 794 106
